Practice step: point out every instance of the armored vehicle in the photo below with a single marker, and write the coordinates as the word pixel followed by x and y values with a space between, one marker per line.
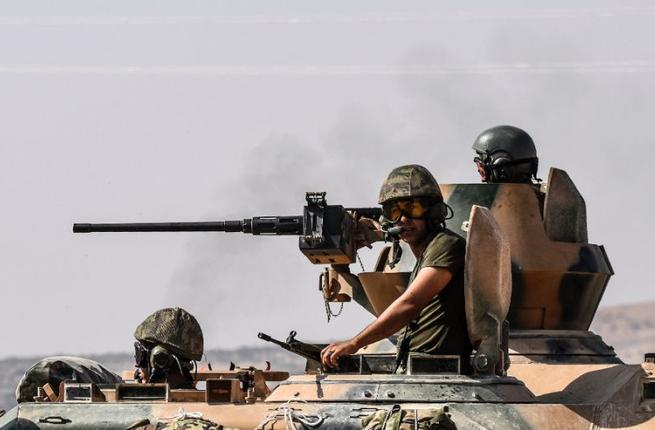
pixel 533 283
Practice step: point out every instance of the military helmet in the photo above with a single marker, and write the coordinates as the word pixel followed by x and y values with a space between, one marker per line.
pixel 507 154
pixel 174 328
pixel 414 181
pixel 407 182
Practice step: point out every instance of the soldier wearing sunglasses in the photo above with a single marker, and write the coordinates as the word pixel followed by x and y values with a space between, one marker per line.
pixel 430 313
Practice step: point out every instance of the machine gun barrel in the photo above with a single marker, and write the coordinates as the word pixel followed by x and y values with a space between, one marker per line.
pixel 326 233
pixel 274 225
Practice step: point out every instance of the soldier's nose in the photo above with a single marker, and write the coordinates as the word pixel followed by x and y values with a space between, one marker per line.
pixel 482 172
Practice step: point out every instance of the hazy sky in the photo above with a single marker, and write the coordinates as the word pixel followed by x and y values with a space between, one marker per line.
pixel 202 110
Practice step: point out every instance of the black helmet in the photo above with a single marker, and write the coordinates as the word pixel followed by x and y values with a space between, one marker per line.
pixel 506 154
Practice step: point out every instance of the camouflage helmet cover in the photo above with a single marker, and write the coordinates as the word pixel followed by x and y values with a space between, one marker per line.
pixel 409 181
pixel 174 328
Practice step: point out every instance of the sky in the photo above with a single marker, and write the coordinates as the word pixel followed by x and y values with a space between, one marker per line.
pixel 134 111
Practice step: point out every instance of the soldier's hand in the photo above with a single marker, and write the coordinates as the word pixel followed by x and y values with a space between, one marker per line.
pixel 331 353
pixel 367 232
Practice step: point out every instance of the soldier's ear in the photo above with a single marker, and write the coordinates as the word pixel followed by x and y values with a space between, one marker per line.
pixel 439 212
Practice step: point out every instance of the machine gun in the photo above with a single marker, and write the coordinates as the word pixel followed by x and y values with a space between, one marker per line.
pixel 325 231
pixel 312 353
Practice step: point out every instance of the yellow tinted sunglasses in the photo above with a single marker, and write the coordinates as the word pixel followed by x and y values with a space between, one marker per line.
pixel 413 208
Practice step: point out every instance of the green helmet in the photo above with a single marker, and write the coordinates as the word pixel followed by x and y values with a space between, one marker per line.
pixel 407 182
pixel 174 328
pixel 413 181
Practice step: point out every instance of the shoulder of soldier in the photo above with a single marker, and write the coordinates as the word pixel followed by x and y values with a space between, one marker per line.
pixel 447 249
pixel 448 238
pixel 446 242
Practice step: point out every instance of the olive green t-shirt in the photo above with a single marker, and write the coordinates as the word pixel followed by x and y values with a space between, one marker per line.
pixel 440 328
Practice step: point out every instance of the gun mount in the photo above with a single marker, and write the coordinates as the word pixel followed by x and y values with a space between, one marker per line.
pixel 325 231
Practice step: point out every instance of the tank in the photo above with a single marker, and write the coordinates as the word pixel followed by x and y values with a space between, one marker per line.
pixel 533 283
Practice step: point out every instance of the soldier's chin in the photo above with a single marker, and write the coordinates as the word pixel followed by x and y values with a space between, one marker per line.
pixel 408 236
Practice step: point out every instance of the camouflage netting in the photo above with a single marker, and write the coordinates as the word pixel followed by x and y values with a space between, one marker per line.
pixel 407 182
pixel 401 419
pixel 174 328
pixel 54 370
pixel 191 424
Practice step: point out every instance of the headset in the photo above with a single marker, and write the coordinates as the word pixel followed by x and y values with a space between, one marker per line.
pixel 499 167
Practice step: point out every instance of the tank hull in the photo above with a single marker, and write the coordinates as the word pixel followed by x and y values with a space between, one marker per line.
pixel 327 415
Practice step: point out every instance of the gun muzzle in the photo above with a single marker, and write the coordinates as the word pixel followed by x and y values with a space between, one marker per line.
pixel 264 336
pixel 82 228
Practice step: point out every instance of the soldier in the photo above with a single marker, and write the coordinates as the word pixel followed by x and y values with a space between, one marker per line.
pixel 167 343
pixel 506 154
pixel 55 370
pixel 430 312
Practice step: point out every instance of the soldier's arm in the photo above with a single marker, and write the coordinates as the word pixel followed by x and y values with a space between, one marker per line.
pixel 428 283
